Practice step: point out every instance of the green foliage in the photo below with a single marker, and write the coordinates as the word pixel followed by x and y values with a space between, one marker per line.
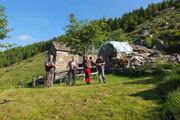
pixel 148 42
pixel 132 25
pixel 130 20
pixel 82 34
pixel 18 54
pixel 177 5
pixel 3 27
pixel 164 5
pixel 117 35
pixel 116 24
pixel 141 20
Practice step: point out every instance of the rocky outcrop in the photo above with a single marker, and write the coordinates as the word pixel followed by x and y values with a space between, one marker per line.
pixel 139 57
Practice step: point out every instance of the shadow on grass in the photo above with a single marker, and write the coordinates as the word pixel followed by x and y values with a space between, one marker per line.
pixel 165 82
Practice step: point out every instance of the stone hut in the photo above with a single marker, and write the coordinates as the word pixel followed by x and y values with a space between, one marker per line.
pixel 62 56
pixel 113 49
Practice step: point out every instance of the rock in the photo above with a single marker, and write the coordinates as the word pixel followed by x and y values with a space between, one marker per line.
pixel 144 32
pixel 158 45
pixel 151 36
pixel 156 55
pixel 172 8
pixel 140 41
pixel 178 58
pixel 172 58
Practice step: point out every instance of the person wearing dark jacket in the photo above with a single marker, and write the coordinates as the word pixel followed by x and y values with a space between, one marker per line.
pixel 87 70
pixel 50 68
pixel 100 67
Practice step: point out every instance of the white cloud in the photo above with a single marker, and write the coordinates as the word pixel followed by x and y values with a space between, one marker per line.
pixel 25 37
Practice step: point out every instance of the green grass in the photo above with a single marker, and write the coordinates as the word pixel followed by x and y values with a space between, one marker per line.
pixel 123 97
pixel 120 98
pixel 23 71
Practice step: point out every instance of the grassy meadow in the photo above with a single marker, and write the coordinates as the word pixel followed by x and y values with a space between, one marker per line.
pixel 123 97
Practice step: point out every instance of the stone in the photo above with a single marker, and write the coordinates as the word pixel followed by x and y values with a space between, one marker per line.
pixel 178 58
pixel 172 58
pixel 159 45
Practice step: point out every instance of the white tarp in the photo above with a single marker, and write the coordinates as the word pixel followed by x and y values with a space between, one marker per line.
pixel 119 46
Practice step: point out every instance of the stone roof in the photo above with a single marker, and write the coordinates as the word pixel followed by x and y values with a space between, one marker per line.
pixel 60 46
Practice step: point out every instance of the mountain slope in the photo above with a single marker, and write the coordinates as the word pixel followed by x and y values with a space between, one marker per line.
pixel 23 71
pixel 161 32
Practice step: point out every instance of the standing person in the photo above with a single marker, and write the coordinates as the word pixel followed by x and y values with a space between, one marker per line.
pixel 72 71
pixel 100 67
pixel 50 68
pixel 87 69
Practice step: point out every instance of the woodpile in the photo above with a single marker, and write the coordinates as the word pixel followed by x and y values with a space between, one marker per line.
pixel 120 63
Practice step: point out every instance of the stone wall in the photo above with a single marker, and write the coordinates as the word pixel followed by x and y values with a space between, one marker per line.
pixel 62 59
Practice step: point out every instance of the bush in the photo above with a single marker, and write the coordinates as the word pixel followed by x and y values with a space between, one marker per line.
pixel 148 42
pixel 177 5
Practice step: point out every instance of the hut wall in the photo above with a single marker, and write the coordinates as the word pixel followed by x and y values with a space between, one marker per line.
pixel 62 59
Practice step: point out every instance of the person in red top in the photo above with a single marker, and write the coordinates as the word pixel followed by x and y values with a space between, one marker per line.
pixel 87 69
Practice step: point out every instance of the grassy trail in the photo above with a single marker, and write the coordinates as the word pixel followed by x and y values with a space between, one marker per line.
pixel 121 98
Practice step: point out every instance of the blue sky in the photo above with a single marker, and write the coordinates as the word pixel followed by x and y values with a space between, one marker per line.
pixel 41 20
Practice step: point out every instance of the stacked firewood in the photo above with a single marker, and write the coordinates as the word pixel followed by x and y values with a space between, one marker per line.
pixel 120 63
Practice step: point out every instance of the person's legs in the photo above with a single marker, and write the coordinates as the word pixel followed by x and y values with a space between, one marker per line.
pixel 87 75
pixel 99 75
pixel 51 79
pixel 48 74
pixel 74 77
pixel 103 75
pixel 69 77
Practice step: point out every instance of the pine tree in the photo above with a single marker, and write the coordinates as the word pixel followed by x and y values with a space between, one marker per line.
pixel 132 24
pixel 154 9
pixel 164 5
pixel 141 20
pixel 125 25
pixel 116 24
pixel 149 11
pixel 110 23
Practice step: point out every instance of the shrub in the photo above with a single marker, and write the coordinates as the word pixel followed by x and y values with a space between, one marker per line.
pixel 148 42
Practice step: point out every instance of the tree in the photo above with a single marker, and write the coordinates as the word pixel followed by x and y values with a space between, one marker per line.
pixel 110 23
pixel 81 35
pixel 116 24
pixel 149 11
pixel 132 24
pixel 154 9
pixel 171 2
pixel 125 25
pixel 3 25
pixel 141 20
pixel 164 5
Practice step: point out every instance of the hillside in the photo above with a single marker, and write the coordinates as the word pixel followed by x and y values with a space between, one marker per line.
pixel 23 71
pixel 161 32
